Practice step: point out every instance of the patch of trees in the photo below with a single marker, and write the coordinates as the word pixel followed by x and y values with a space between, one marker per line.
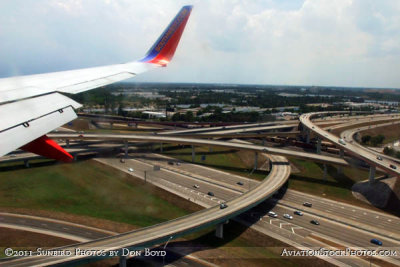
pixel 391 152
pixel 372 140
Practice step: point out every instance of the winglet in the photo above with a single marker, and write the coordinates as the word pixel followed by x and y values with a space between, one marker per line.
pixel 164 48
pixel 46 147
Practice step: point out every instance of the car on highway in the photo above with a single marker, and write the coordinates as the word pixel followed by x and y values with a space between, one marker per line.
pixel 287 216
pixel 12 155
pixel 130 169
pixel 122 160
pixel 170 163
pixel 393 167
pixel 210 193
pixel 379 158
pixel 376 242
pixel 265 150
pixel 223 206
pixel 307 204
pixel 178 164
pixel 196 186
pixel 315 222
pixel 239 183
pixel 297 212
pixel 341 141
pixel 272 214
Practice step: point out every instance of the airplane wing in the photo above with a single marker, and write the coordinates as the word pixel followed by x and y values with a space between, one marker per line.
pixel 32 105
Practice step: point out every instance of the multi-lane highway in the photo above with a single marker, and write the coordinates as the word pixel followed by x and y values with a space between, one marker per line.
pixel 148 236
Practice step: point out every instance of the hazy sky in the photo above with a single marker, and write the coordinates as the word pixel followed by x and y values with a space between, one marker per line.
pixel 310 42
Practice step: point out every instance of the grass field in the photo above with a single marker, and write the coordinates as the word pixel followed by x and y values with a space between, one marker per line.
pixel 391 133
pixel 85 188
pixel 336 186
pixel 220 158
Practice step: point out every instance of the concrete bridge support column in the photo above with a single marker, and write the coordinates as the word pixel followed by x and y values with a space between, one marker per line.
pixel 255 160
pixel 219 231
pixel 325 172
pixel 193 153
pixel 122 261
pixel 126 148
pixel 341 153
pixel 319 145
pixel 372 170
pixel 26 163
pixel 67 142
pixel 161 148
pixel 307 136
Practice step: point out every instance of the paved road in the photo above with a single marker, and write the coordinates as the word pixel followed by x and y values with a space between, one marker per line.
pixel 201 142
pixel 352 149
pixel 337 230
pixel 165 231
pixel 349 136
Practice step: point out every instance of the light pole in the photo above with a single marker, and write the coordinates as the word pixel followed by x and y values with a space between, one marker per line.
pixel 163 260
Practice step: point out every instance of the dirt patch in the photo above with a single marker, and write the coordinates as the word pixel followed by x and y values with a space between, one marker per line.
pixel 18 238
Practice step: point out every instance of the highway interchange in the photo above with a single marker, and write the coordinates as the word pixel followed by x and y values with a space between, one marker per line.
pixel 355 226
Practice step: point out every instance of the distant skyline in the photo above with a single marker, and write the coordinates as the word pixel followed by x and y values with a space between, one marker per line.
pixel 354 43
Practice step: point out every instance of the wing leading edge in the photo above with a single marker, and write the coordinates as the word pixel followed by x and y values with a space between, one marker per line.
pixel 31 106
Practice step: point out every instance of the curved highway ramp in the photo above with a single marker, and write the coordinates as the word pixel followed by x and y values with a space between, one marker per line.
pixel 149 236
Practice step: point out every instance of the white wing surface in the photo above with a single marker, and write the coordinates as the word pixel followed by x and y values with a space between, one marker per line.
pixel 31 106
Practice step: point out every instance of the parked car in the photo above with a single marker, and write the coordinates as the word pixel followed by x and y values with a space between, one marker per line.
pixel 223 206
pixel 272 214
pixel 307 204
pixel 239 183
pixel 297 212
pixel 376 242
pixel 210 193
pixel 314 222
pixel 287 216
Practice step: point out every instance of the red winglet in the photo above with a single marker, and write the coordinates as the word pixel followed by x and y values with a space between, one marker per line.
pixel 48 148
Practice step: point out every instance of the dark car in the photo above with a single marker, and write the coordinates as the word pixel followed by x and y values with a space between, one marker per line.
pixel 376 242
pixel 307 204
pixel 170 163
pixel 223 206
pixel 314 222
pixel 392 166
pixel 210 193
pixel 239 183
pixel 297 212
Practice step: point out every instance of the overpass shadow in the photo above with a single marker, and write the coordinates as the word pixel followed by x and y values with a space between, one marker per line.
pixel 380 195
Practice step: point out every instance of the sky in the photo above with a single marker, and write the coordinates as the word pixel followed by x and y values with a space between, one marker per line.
pixel 286 42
